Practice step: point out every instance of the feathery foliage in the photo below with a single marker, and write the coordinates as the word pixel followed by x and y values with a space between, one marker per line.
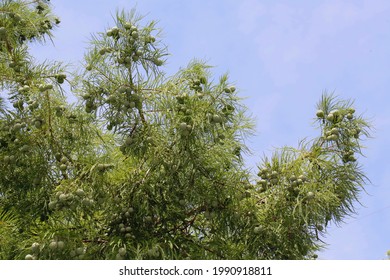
pixel 147 166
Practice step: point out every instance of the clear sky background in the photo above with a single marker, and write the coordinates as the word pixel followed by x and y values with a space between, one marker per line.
pixel 282 55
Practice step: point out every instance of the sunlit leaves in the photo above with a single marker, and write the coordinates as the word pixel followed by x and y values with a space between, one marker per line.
pixel 150 166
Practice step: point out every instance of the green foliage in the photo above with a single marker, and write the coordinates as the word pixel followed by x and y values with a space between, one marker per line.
pixel 147 166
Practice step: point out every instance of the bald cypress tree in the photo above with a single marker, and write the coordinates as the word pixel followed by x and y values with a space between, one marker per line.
pixel 150 166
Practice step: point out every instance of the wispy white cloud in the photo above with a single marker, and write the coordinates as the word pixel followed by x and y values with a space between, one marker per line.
pixel 338 45
pixel 292 37
pixel 248 13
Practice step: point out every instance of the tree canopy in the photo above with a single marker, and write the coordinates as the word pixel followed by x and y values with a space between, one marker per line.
pixel 150 166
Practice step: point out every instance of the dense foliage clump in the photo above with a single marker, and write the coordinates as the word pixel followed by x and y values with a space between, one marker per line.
pixel 147 166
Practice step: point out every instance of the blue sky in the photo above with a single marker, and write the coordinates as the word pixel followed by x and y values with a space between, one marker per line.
pixel 282 55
